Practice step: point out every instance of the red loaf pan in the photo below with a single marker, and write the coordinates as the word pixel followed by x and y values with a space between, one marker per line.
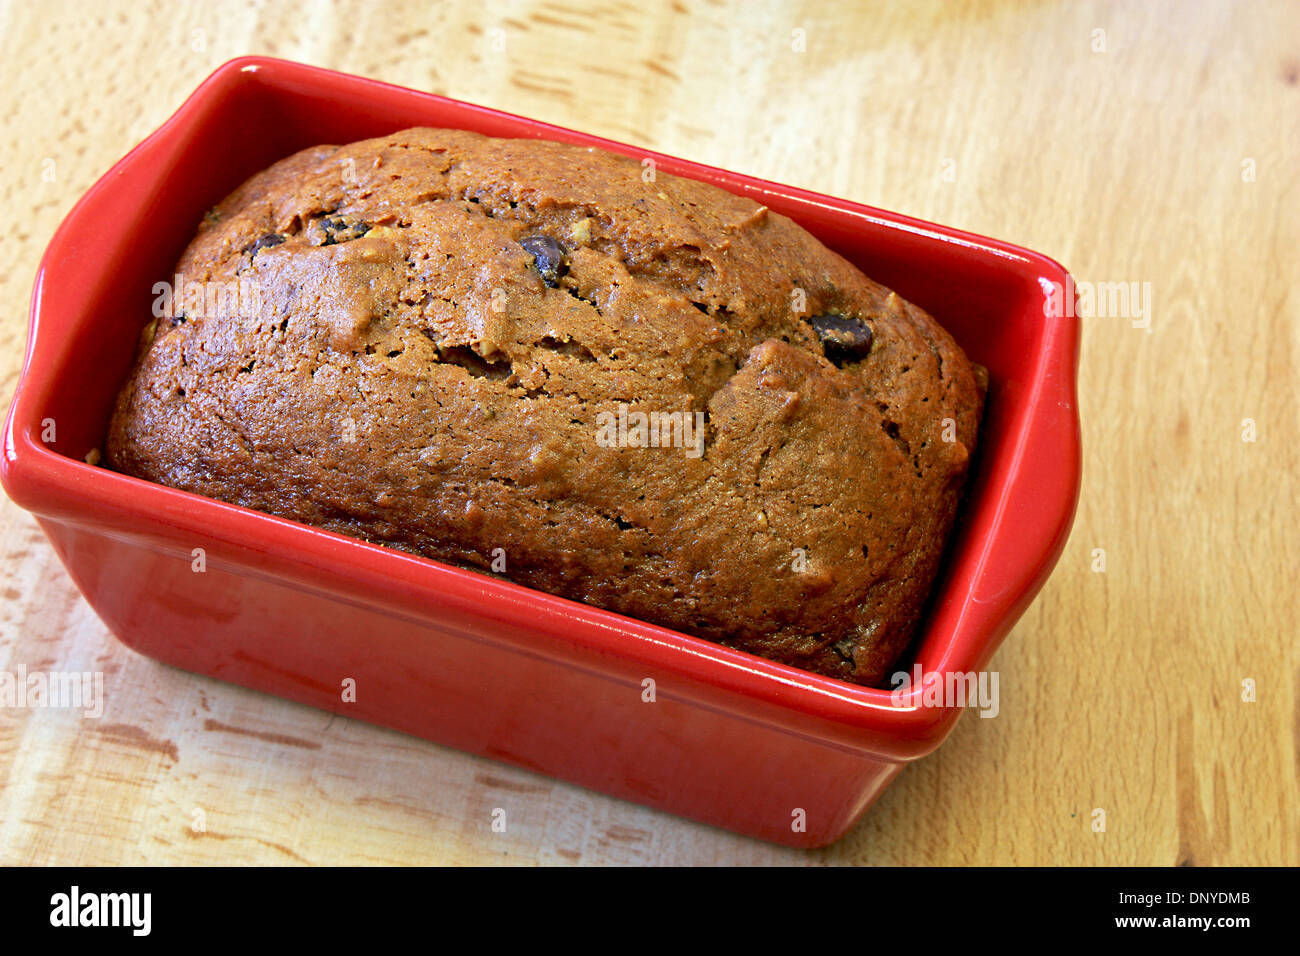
pixel 475 662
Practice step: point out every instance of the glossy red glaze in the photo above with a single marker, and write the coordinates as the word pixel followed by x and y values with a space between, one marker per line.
pixel 479 663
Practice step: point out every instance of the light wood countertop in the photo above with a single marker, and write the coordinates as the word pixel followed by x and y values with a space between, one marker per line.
pixel 1163 150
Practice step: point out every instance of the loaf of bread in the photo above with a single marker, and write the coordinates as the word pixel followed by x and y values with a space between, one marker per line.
pixel 568 368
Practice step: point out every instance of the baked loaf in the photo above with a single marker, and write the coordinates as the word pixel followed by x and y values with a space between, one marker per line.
pixel 445 343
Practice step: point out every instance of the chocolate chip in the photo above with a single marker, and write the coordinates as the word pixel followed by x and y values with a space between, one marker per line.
pixel 548 257
pixel 843 339
pixel 266 242
pixel 340 230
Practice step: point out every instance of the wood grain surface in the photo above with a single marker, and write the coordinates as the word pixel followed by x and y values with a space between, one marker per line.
pixel 1134 142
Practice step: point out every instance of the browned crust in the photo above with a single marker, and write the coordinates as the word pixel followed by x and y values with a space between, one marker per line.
pixel 470 391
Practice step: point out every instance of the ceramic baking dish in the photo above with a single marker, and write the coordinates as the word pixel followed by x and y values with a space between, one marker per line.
pixel 475 662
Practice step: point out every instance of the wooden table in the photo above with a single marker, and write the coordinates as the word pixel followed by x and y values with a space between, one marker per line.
pixel 1135 142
